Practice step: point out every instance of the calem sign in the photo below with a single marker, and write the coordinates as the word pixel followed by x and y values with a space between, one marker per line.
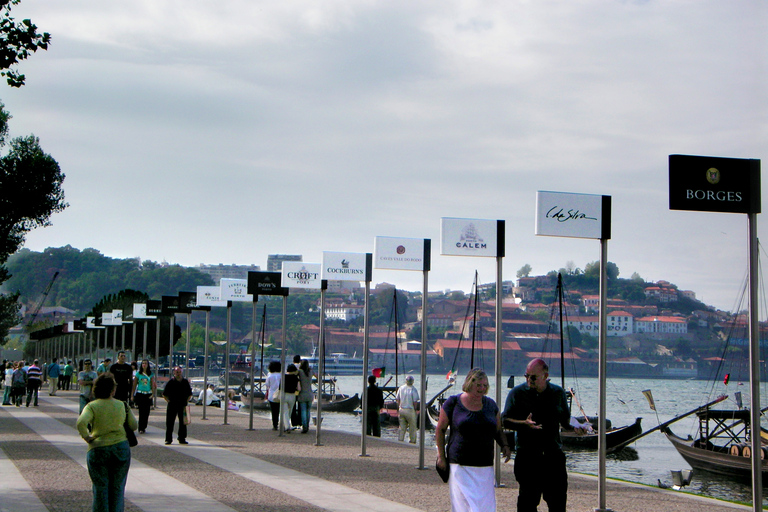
pixel 714 184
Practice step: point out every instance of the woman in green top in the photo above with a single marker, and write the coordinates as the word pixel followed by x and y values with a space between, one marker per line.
pixel 144 388
pixel 109 455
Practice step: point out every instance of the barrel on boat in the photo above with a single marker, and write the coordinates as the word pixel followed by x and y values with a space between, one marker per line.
pixel 738 450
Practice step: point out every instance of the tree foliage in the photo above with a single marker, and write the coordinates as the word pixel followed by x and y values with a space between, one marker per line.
pixel 19 41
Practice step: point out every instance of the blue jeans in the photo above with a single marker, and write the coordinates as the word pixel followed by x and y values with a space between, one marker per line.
pixel 108 467
pixel 304 414
pixel 83 402
pixel 7 395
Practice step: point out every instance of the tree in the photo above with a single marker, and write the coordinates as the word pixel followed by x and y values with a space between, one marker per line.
pixel 30 192
pixel 19 41
pixel 524 271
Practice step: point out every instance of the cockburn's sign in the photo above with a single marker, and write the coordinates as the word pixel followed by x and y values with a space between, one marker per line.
pixel 347 266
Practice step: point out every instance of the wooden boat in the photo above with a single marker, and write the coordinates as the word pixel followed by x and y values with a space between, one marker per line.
pixel 338 403
pixel 615 438
pixel 722 446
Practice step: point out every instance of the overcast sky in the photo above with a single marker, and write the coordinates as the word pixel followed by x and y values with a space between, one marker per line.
pixel 220 132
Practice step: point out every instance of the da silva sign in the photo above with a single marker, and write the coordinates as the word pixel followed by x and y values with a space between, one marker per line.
pixel 714 184
pixel 573 215
pixel 401 253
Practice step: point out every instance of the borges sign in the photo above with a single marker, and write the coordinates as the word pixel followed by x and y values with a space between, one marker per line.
pixel 714 184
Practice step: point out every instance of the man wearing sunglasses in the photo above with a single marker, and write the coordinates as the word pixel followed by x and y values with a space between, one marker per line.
pixel 537 409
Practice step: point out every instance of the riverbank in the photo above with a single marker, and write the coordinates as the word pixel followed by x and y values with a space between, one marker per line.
pixel 229 467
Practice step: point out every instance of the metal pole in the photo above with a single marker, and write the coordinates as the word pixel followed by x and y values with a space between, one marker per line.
pixel 283 368
pixel 754 367
pixel 205 360
pixel 144 346
pixel 497 365
pixel 226 360
pixel 253 358
pixel 601 447
pixel 320 367
pixel 157 357
pixel 423 387
pixel 366 330
pixel 189 321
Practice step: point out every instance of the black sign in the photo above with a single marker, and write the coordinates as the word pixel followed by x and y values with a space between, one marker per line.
pixel 79 324
pixel 188 303
pixel 154 307
pixel 169 304
pixel 266 283
pixel 714 184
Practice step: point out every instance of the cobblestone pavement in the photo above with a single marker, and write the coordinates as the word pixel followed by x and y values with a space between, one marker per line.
pixel 232 468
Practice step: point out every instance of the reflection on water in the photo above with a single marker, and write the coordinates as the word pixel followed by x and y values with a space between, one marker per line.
pixel 647 461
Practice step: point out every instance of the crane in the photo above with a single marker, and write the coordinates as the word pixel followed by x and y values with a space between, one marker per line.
pixel 42 300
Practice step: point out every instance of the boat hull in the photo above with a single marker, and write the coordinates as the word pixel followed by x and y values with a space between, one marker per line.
pixel 615 438
pixel 715 459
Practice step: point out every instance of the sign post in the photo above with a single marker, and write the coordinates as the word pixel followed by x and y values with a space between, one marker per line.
pixel 584 216
pixel 484 238
pixel 728 185
pixel 232 290
pixel 408 254
pixel 208 296
pixel 347 266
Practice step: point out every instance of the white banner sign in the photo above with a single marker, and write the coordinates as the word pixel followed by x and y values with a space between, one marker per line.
pixel 569 215
pixel 297 274
pixel 140 312
pixel 469 237
pixel 106 319
pixel 210 296
pixel 235 290
pixel 399 253
pixel 117 317
pixel 345 266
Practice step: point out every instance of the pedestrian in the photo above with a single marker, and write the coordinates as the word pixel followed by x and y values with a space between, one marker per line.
pixel 292 388
pixel 61 374
pixel 295 414
pixel 475 425
pixel 85 380
pixel 109 454
pixel 305 394
pixel 53 377
pixel 18 384
pixel 104 366
pixel 123 374
pixel 373 411
pixel 273 391
pixel 177 393
pixel 67 375
pixel 3 366
pixel 144 388
pixel 8 377
pixel 407 399
pixel 34 381
pixel 537 409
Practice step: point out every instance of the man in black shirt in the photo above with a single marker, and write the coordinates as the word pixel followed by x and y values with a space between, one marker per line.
pixel 177 393
pixel 123 373
pixel 375 403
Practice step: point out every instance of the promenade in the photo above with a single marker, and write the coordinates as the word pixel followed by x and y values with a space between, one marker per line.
pixel 230 468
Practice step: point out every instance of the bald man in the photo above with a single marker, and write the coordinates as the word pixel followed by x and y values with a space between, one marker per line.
pixel 537 409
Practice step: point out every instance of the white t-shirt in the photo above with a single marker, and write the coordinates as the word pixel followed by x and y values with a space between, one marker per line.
pixel 407 396
pixel 273 386
pixel 208 395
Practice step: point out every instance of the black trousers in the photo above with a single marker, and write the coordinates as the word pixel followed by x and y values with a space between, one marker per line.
pixel 274 408
pixel 373 427
pixel 33 385
pixel 172 413
pixel 144 403
pixel 541 476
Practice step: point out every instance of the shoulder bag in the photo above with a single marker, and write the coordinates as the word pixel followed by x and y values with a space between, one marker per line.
pixel 129 433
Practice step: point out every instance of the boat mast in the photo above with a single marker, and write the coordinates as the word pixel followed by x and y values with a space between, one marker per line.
pixel 562 339
pixel 394 309
pixel 474 325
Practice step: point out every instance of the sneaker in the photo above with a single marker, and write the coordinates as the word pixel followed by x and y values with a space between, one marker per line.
pixel 142 431
pixel 168 442
pixel 183 441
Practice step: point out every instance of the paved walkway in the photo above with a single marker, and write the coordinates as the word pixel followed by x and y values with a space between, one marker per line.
pixel 230 468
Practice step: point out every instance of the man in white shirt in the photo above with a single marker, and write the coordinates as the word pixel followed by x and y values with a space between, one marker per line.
pixel 407 404
pixel 209 396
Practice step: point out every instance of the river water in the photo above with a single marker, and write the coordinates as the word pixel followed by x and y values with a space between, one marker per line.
pixel 647 461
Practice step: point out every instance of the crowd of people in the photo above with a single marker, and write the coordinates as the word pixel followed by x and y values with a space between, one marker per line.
pixel 470 426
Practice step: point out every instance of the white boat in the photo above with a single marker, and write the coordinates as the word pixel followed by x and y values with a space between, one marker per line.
pixel 338 364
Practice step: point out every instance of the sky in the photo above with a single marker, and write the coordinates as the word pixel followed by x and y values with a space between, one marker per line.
pixel 220 132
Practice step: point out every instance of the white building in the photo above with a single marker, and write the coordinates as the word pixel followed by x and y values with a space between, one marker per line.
pixel 345 312
pixel 661 325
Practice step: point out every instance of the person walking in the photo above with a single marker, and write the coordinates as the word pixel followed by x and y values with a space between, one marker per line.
pixel 537 409
pixel 123 373
pixel 18 384
pixel 177 393
pixel 104 366
pixel 109 454
pixel 67 375
pixel 85 380
pixel 53 377
pixel 475 424
pixel 273 391
pixel 305 397
pixel 144 388
pixel 373 411
pixel 407 399
pixel 34 381
pixel 292 388
pixel 8 376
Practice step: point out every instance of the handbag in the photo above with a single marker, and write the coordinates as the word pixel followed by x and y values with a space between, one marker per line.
pixel 187 415
pixel 444 473
pixel 129 433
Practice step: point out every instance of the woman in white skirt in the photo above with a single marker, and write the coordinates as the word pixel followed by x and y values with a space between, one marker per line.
pixel 475 425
